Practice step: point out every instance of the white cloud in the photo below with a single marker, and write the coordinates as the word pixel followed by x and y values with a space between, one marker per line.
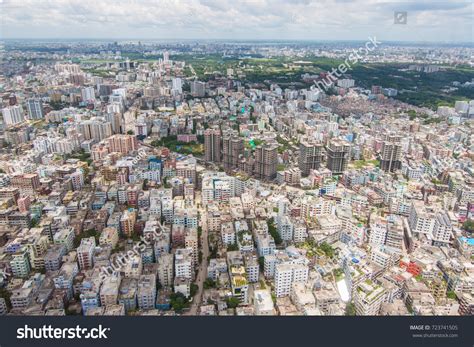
pixel 236 19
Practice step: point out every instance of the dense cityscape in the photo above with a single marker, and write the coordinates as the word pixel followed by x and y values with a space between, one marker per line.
pixel 221 178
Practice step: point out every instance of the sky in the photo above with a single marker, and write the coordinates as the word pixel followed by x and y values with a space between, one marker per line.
pixel 431 21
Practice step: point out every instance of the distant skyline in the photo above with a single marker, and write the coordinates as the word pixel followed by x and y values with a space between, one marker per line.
pixel 429 21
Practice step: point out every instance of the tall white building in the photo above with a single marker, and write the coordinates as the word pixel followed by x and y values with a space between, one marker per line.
pixel 177 85
pixel 146 292
pixel 378 231
pixel 20 263
pixel 286 275
pixel 183 263
pixel 420 219
pixel 285 228
pixel 88 94
pixel 442 229
pixel 13 115
pixel 165 269
pixel 34 107
pixel 85 253
pixel 345 83
pixel 368 298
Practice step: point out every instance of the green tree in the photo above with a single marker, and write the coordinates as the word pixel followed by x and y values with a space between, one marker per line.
pixel 194 289
pixel 468 225
pixel 273 231
pixel 261 262
pixel 5 294
pixel 232 302
pixel 350 309
pixel 327 249
pixel 232 247
pixel 209 283
pixel 451 295
pixel 178 302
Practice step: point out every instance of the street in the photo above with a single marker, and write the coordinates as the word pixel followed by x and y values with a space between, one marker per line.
pixel 202 273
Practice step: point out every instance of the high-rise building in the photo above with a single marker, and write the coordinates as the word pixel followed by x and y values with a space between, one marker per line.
pixel 35 108
pixel 266 160
pixel 85 253
pixel 191 241
pixel 177 85
pixel 27 183
pixel 3 307
pixel 94 129
pixel 311 155
pixel 391 153
pixel 421 218
pixel 286 274
pixel 338 153
pixel 166 57
pixel 146 292
pixel 368 299
pixel 12 115
pixel 232 149
pixel 198 89
pixel 212 145
pixel 20 263
pixel 466 304
pixel 165 269
pixel 88 94
pixel 127 222
pixel 128 293
pixel 183 263
pixel 378 231
pixel 24 204
pixel 442 230
pixel 122 143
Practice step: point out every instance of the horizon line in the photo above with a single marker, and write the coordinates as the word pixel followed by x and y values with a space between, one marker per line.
pixel 224 39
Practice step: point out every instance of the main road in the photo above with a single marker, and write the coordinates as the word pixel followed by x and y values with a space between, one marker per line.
pixel 202 272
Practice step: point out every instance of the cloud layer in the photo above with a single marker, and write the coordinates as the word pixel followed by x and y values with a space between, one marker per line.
pixel 446 21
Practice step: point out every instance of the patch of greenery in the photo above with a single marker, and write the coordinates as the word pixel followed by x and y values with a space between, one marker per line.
pixel 359 164
pixel 179 302
pixel 6 295
pixel 272 230
pixel 232 302
pixel 451 295
pixel 194 289
pixel 174 145
pixel 232 247
pixel 416 88
pixel 261 263
pixel 327 249
pixel 209 283
pixel 468 225
pixel 350 309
